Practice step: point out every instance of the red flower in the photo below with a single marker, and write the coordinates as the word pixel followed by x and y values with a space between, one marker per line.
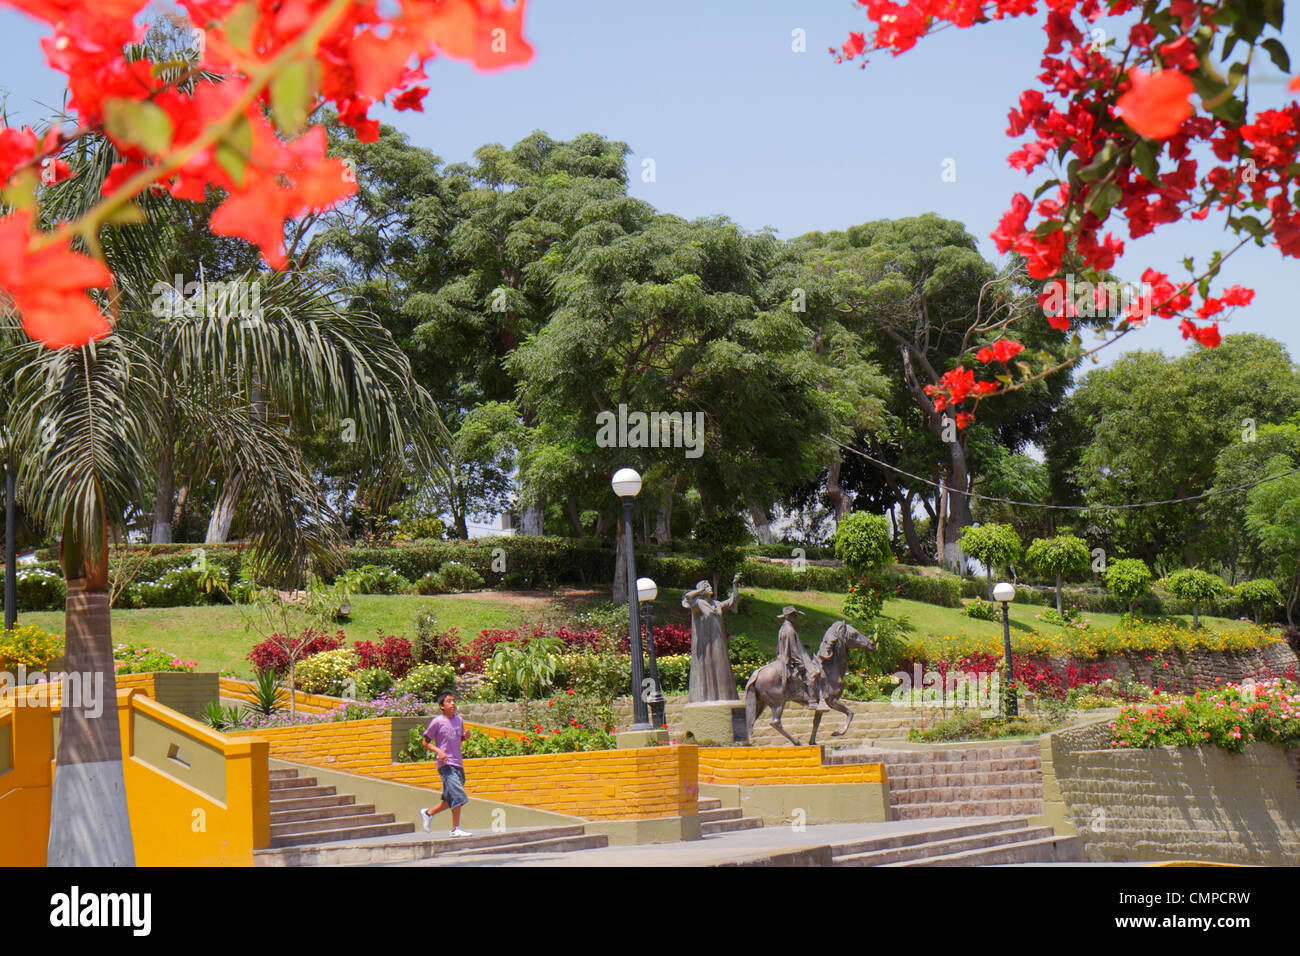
pixel 1157 103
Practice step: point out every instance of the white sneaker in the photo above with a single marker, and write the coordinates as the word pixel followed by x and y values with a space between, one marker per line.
pixel 425 819
pixel 458 832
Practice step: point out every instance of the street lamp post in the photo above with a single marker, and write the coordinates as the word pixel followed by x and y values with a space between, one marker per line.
pixel 626 484
pixel 1004 592
pixel 646 592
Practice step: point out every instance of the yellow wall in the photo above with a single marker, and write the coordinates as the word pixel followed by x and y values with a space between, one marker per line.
pixel 600 785
pixel 175 818
pixel 776 766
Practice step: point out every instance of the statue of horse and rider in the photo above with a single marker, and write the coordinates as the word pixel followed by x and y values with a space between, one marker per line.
pixel 814 680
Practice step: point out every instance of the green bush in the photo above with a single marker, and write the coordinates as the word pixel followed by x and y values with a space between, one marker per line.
pixel 675 673
pixel 1195 586
pixel 720 539
pixel 992 545
pixel 426 681
pixel 943 589
pixel 1061 557
pixel 981 610
pixel 40 590
pixel 599 675
pixel 372 682
pixel 1129 579
pixel 1258 595
pixel 328 672
pixel 375 579
pixel 862 543
pixel 452 578
pixel 760 574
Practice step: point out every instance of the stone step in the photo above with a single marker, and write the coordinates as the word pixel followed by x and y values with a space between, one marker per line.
pixel 969 794
pixel 298 793
pixel 708 803
pixel 321 813
pixel 299 827
pixel 1051 849
pixel 913 781
pixel 730 826
pixel 282 774
pixel 309 803
pixel 719 813
pixel 938 848
pixel 290 783
pixel 900 755
pixel 986 808
pixel 915 837
pixel 554 845
pixel 902 770
pixel 380 851
pixel 348 833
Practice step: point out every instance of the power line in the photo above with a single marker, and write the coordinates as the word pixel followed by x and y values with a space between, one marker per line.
pixel 1038 504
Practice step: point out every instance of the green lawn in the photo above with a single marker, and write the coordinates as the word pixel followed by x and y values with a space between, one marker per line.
pixel 217 638
pixel 215 635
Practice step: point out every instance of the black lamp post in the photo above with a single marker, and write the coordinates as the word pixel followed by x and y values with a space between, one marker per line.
pixel 626 484
pixel 646 592
pixel 1004 592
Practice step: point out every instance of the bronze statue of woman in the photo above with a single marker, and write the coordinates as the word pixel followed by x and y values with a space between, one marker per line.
pixel 711 676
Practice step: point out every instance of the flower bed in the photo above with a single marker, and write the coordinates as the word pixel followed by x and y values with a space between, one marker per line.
pixel 1231 718
pixel 130 659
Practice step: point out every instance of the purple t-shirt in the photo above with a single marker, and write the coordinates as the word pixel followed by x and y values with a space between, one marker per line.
pixel 445 733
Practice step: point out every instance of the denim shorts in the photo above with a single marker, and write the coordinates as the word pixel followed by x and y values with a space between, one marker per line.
pixel 453 786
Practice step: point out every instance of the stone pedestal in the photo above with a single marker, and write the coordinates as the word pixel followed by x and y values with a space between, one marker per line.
pixel 715 723
pixel 635 739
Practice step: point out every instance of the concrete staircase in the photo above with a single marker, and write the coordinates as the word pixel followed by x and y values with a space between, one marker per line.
pixel 716 819
pixel 872 721
pixel 983 843
pixel 984 781
pixel 406 850
pixel 303 813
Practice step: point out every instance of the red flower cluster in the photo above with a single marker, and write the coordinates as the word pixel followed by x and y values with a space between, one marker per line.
pixel 393 655
pixel 177 131
pixel 273 653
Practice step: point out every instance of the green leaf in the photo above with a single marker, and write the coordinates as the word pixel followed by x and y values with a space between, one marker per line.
pixel 292 92
pixel 1045 187
pixel 1277 53
pixel 1101 201
pixel 233 149
pixel 127 215
pixel 239 26
pixel 141 124
pixel 1144 157
pixel 1101 164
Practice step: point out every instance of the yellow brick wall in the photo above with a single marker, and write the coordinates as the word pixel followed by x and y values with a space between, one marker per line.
pixel 601 785
pixel 773 766
pixel 307 703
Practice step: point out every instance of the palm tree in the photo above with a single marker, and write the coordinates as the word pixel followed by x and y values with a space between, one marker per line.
pixel 92 422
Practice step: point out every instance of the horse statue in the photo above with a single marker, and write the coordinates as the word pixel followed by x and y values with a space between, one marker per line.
pixel 772 685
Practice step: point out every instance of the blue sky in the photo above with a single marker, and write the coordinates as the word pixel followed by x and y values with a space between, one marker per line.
pixel 739 124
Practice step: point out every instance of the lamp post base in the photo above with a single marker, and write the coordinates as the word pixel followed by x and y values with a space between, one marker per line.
pixel 635 738
pixel 715 723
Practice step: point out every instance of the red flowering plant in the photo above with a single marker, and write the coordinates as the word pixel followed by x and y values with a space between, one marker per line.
pixel 393 654
pixel 273 654
pixel 232 118
pixel 1150 122
pixel 1230 717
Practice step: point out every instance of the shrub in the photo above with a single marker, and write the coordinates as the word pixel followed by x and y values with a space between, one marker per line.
pixel 1258 594
pixel 528 667
pixel 569 709
pixel 130 659
pixel 374 579
pixel 1230 717
pixel 862 543
pixel 674 673
pixel 432 646
pixel 455 578
pixel 671 639
pixel 599 675
pixel 28 647
pixel 271 655
pixel 427 681
pixel 326 673
pixel 1129 579
pixel 943 589
pixel 40 590
pixel 981 610
pixel 973 726
pixel 372 682
pixel 1195 586
pixel 863 601
pixel 720 539
pixel 393 654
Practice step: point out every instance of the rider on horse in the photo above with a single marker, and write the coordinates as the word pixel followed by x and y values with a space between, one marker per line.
pixel 799 665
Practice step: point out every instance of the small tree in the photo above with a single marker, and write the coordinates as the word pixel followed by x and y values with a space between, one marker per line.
pixel 862 543
pixel 1258 594
pixel 720 539
pixel 287 617
pixel 1064 555
pixel 992 545
pixel 1129 579
pixel 1196 586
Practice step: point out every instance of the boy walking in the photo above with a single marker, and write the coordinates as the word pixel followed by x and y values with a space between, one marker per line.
pixel 444 736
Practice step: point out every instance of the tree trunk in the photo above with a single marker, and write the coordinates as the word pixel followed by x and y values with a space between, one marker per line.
pixel 664 514
pixel 839 498
pixel 223 513
pixel 1059 609
pixel 959 516
pixel 182 496
pixel 941 522
pixel 575 519
pixel 1196 617
pixel 163 495
pixel 89 821
pixel 602 525
pixel 620 562
pixel 762 527
pixel 531 519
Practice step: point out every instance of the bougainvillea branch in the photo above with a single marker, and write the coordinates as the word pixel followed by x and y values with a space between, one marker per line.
pixel 236 121
pixel 1119 113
